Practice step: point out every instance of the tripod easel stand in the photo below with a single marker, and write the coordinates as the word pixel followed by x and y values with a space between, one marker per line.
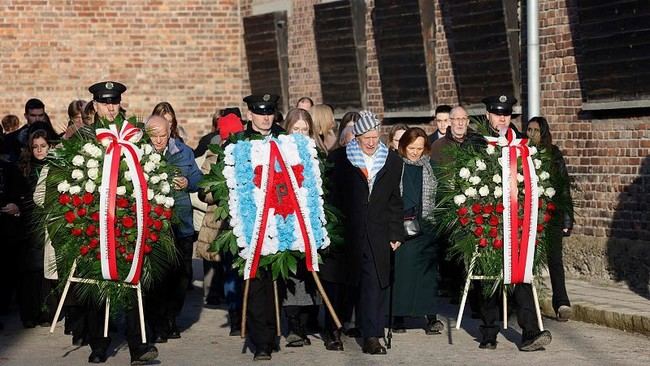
pixel 72 278
pixel 471 276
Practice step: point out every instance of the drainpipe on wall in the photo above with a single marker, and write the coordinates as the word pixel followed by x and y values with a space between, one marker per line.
pixel 532 8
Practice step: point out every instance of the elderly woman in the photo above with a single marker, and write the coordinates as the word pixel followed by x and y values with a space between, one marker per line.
pixel 416 277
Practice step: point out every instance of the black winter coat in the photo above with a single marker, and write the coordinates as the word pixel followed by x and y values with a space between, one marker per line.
pixel 376 220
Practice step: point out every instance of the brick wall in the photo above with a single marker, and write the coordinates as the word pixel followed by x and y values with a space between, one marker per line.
pixel 304 79
pixel 186 52
pixel 373 83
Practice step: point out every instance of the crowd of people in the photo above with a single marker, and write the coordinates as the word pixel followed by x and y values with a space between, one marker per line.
pixel 391 272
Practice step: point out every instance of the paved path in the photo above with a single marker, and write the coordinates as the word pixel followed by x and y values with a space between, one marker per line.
pixel 206 342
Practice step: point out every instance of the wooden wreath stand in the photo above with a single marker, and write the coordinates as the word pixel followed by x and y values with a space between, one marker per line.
pixel 72 278
pixel 321 290
pixel 471 276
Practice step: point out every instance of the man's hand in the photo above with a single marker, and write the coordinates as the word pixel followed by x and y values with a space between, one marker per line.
pixel 395 245
pixel 179 183
pixel 10 209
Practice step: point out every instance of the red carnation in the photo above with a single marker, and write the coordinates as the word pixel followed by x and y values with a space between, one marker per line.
pixel 482 243
pixel 476 208
pixel 70 217
pixel 91 230
pixel 487 209
pixel 499 208
pixel 121 249
pixel 118 232
pixel 540 203
pixel 478 231
pixel 64 199
pixel 129 257
pixel 478 220
pixel 147 249
pixel 128 221
pixel 540 228
pixel 168 214
pixel 157 224
pixel 520 222
pixel 133 207
pixel 158 210
pixel 122 202
pixel 462 211
pixel 497 244
pixel 88 198
pixel 153 237
pixel 493 232
pixel 550 207
pixel 494 221
pixel 81 212
pixel 464 221
pixel 95 216
pixel 76 231
pixel 93 243
pixel 84 250
pixel 76 200
pixel 547 217
pixel 98 255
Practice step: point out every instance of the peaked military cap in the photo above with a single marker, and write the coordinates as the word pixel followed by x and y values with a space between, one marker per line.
pixel 500 104
pixel 107 92
pixel 264 104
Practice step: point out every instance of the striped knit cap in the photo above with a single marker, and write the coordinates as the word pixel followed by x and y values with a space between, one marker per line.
pixel 366 122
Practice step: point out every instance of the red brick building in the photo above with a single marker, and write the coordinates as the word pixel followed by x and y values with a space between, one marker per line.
pixel 397 58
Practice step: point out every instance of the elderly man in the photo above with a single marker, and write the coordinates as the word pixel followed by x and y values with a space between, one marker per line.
pixel 166 300
pixel 499 114
pixel 366 182
pixel 455 135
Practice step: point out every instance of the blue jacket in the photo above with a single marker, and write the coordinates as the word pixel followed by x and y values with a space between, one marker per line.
pixel 181 156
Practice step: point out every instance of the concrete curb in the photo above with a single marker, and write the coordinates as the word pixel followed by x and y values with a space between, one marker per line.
pixel 590 313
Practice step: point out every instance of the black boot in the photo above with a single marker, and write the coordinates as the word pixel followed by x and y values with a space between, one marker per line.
pixel 488 337
pixel 434 326
pixel 333 341
pixel 234 318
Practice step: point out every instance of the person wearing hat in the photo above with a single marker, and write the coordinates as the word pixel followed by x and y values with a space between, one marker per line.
pixel 261 307
pixel 107 96
pixel 499 114
pixel 366 188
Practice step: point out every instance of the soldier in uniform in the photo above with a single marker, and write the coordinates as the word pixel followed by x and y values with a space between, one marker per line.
pixel 261 307
pixel 499 116
pixel 106 100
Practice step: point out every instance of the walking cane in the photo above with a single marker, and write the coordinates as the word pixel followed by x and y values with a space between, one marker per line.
pixel 391 277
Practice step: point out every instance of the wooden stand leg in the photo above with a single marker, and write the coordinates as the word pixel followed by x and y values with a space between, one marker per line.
pixel 537 311
pixel 330 308
pixel 63 296
pixel 244 309
pixel 505 307
pixel 106 313
pixel 143 331
pixel 278 330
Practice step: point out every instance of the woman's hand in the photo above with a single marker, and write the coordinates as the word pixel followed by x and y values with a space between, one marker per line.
pixel 395 244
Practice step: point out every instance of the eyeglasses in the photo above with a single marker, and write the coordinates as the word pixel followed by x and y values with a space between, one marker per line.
pixel 459 119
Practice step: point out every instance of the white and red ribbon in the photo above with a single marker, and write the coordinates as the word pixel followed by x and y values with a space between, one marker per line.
pixel 265 211
pixel 518 252
pixel 118 144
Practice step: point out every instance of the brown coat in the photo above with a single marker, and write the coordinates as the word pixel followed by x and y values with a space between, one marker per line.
pixel 209 227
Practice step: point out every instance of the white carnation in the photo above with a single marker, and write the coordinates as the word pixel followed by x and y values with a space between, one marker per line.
pixel 63 186
pixel 520 178
pixel 92 163
pixel 127 176
pixel 544 175
pixel 121 190
pixel 150 193
pixel 165 188
pixel 155 157
pixel 169 202
pixel 90 186
pixel 484 191
pixel 149 166
pixel 470 192
pixel 147 149
pixel 540 191
pixel 78 160
pixel 106 142
pixel 498 192
pixel 77 174
pixel 88 148
pixel 93 173
pixel 459 199
pixel 496 178
pixel 75 189
pixel 538 163
pixel 154 179
pixel 550 192
pixel 475 180
pixel 163 176
pixel 464 173
pixel 480 165
pixel 532 150
pixel 160 199
pixel 490 149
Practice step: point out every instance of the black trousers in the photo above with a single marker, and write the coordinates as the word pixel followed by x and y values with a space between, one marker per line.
pixel 343 299
pixel 260 313
pixel 556 269
pixel 522 296
pixel 36 297
pixel 372 299
pixel 167 297
pixel 95 328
